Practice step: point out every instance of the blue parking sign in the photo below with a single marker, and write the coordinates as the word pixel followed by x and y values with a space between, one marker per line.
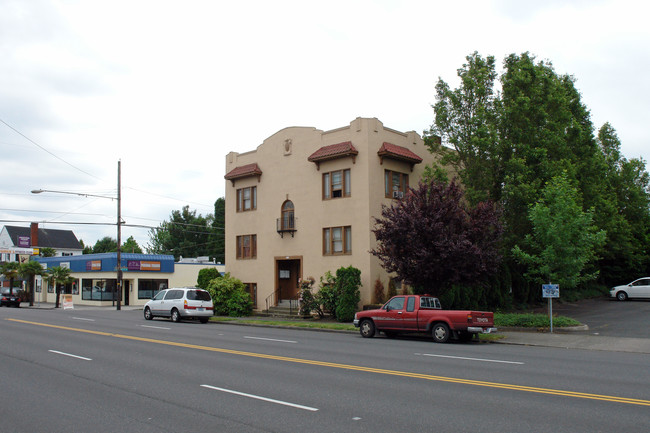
pixel 550 290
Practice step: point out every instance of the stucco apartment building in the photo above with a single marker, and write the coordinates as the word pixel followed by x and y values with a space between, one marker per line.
pixel 303 203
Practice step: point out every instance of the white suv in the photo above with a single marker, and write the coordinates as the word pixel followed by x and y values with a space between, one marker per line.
pixel 180 303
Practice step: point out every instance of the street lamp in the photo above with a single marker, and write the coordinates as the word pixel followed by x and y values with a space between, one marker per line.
pixel 119 223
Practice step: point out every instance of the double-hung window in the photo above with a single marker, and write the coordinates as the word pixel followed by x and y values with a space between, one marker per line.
pixel 247 247
pixel 336 184
pixel 337 240
pixel 247 199
pixel 396 184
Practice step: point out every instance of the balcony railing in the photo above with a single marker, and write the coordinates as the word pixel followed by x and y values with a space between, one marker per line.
pixel 286 224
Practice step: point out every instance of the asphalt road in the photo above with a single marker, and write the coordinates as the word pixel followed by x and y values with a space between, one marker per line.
pixel 110 371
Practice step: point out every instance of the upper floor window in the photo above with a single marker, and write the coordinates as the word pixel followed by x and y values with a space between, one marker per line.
pixel 337 240
pixel 247 247
pixel 336 184
pixel 247 199
pixel 396 184
pixel 287 221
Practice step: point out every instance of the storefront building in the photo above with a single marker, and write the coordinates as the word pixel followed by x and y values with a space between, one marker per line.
pixel 94 277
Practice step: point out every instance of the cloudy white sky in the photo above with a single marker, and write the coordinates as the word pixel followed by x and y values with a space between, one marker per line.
pixel 170 87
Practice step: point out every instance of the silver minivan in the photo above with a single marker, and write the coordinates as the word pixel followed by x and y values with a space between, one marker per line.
pixel 180 303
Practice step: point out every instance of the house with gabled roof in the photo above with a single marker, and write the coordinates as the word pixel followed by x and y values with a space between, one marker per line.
pixel 304 202
pixel 15 238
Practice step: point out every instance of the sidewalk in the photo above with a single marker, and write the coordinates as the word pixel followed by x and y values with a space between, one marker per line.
pixel 50 306
pixel 575 341
pixel 561 338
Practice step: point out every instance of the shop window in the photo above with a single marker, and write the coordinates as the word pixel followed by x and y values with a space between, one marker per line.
pixel 147 289
pixel 98 290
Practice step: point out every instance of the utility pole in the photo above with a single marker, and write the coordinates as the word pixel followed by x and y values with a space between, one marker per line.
pixel 119 234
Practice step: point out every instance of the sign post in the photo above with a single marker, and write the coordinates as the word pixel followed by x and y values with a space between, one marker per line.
pixel 550 291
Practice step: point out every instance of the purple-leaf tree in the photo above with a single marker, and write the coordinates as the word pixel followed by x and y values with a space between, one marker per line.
pixel 432 239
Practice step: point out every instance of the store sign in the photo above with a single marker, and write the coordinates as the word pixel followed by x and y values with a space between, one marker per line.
pixel 143 265
pixel 13 250
pixel 24 241
pixel 94 265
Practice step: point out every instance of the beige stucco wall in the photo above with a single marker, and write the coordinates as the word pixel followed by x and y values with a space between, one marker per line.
pixel 289 175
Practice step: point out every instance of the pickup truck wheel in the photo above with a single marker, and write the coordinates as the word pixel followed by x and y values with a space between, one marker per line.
pixel 367 329
pixel 440 333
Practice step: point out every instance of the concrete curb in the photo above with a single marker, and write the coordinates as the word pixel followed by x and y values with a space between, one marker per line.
pixel 565 329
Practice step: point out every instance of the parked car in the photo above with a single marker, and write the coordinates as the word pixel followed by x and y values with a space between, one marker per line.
pixel 180 303
pixel 636 289
pixel 10 298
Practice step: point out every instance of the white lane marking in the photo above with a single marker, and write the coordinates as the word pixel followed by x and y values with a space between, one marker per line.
pixel 257 397
pixel 271 339
pixel 83 318
pixel 70 355
pixel 470 359
pixel 155 327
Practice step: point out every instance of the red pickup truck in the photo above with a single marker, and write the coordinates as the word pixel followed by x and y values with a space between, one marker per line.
pixel 422 313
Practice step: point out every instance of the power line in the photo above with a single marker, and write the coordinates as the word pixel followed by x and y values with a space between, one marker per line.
pixel 45 150
pixel 90 174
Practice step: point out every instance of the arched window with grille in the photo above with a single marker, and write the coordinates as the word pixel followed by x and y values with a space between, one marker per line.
pixel 288 220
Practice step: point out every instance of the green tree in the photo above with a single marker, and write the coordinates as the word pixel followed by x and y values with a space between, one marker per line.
pixel 47 252
pixel 466 118
pixel 186 234
pixel 131 246
pixel 508 145
pixel 29 270
pixel 218 237
pixel 105 245
pixel 58 276
pixel 86 249
pixel 11 271
pixel 564 240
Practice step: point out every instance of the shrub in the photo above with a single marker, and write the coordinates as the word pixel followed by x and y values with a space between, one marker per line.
pixel 328 295
pixel 392 290
pixel 229 297
pixel 205 276
pixel 348 281
pixel 379 292
pixel 308 302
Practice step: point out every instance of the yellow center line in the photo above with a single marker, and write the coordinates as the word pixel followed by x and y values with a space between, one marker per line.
pixel 523 388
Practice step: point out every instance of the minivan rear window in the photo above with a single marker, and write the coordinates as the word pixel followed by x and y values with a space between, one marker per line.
pixel 198 295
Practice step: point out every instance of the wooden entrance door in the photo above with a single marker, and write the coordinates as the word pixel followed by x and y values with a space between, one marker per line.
pixel 288 273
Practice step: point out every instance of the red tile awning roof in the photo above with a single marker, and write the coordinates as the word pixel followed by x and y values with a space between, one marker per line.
pixel 393 151
pixel 243 171
pixel 333 151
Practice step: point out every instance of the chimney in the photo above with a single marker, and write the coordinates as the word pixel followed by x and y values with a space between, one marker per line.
pixel 34 234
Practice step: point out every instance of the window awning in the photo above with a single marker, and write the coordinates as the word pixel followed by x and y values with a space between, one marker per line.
pixel 243 171
pixel 399 153
pixel 333 151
